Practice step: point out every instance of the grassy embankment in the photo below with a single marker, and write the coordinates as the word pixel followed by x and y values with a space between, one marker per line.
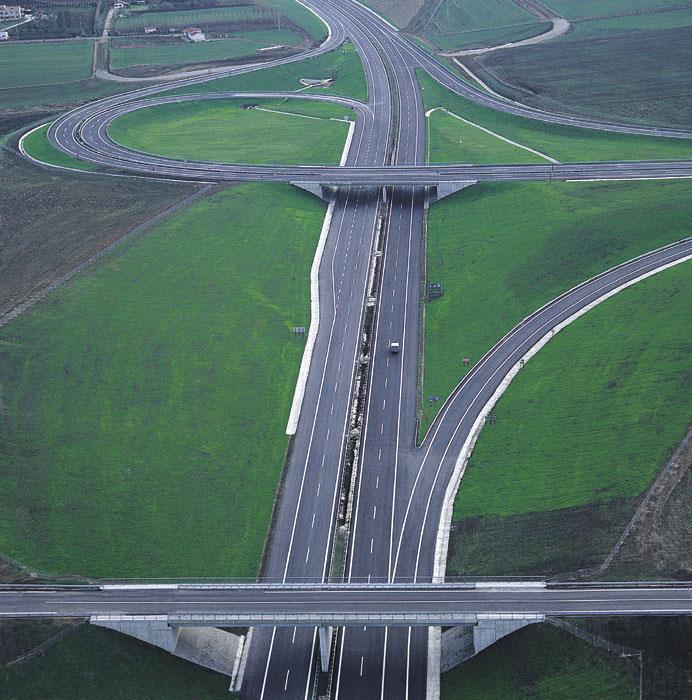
pixel 145 404
pixel 542 663
pixel 475 23
pixel 613 66
pixel 560 142
pixel 580 435
pixel 503 250
pixel 225 131
pixel 97 663
pixel 343 66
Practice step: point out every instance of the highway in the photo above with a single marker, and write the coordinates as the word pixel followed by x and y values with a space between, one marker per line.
pixel 337 604
pixel 400 487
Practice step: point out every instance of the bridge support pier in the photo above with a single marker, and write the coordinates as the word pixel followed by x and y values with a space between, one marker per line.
pixel 209 647
pixel 464 641
pixel 444 189
pixel 325 646
pixel 322 191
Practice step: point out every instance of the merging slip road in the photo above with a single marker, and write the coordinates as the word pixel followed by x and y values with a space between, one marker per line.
pixel 371 267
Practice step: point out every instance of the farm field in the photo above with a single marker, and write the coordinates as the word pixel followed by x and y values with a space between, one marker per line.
pixel 542 663
pixel 451 140
pixel 343 66
pixel 588 422
pixel 125 428
pixel 220 21
pixel 646 78
pixel 129 52
pixel 455 24
pixel 93 662
pixel 550 237
pixel 225 131
pixel 32 64
pixel 574 9
pixel 53 221
pixel 220 18
pixel 560 142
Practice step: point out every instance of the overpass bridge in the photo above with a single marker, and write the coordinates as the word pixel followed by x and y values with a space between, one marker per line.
pixel 349 604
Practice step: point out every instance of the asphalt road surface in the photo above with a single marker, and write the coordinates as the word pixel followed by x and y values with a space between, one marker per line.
pixel 400 488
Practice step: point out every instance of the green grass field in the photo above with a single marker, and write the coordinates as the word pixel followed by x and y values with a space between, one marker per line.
pixel 580 435
pixel 595 414
pixel 97 663
pixel 126 53
pixel 30 64
pixel 472 23
pixel 37 145
pixel 343 65
pixel 451 140
pixel 560 142
pixel 542 663
pixel 488 246
pixel 144 405
pixel 223 131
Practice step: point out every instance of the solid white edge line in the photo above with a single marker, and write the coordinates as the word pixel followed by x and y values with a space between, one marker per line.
pixel 442 543
pixel 299 393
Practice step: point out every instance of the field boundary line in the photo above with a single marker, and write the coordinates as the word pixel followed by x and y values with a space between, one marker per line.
pixel 34 299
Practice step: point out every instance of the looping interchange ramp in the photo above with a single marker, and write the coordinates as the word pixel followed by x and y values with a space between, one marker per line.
pixel 399 491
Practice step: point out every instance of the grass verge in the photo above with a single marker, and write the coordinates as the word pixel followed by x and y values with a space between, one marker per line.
pixel 587 423
pixel 144 406
pixel 563 143
pixel 227 131
pixel 542 663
